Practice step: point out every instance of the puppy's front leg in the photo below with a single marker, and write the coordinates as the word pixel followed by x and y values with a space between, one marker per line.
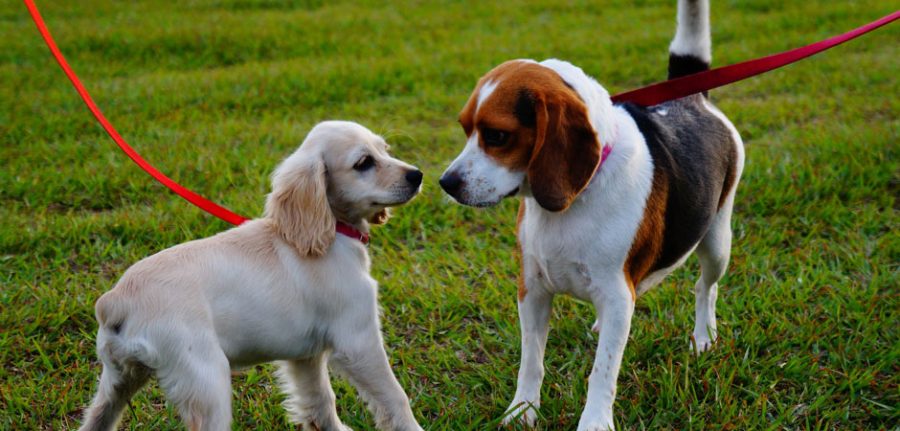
pixel 365 363
pixel 617 307
pixel 534 317
pixel 311 401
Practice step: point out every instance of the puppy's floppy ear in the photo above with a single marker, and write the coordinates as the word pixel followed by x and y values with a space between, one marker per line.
pixel 566 150
pixel 381 217
pixel 298 205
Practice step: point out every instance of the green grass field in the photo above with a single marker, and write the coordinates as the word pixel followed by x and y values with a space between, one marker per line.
pixel 217 92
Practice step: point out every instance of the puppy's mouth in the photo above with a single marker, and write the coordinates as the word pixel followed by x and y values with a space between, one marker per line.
pixel 399 201
pixel 511 193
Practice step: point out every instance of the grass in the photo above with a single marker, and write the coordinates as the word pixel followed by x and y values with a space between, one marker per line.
pixel 216 92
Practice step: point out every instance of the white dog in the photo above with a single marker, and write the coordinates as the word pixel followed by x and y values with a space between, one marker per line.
pixel 283 287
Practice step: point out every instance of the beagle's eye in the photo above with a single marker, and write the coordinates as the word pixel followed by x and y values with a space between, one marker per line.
pixel 494 137
pixel 364 164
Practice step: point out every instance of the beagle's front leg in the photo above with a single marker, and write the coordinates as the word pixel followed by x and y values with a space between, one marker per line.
pixel 616 304
pixel 535 303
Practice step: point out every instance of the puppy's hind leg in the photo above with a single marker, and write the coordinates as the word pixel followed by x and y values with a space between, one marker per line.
pixel 197 380
pixel 714 252
pixel 117 386
pixel 310 400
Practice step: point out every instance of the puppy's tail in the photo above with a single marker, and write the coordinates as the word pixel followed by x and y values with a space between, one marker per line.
pixel 690 51
pixel 124 360
pixel 113 345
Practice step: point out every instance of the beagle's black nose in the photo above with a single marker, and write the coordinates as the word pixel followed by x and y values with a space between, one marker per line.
pixel 414 177
pixel 451 183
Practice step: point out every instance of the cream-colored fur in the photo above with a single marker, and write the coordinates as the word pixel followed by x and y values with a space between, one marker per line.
pixel 283 287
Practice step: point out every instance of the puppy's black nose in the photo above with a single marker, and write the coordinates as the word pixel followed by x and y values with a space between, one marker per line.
pixel 414 177
pixel 451 182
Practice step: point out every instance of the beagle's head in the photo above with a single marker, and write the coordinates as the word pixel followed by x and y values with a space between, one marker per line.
pixel 527 131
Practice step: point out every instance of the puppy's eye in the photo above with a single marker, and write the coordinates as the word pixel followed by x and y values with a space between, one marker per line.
pixel 364 164
pixel 494 137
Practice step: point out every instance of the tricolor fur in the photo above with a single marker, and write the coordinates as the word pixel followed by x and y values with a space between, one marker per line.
pixel 604 233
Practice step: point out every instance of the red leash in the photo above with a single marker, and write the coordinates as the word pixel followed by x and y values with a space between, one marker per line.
pixel 707 80
pixel 647 96
pixel 190 196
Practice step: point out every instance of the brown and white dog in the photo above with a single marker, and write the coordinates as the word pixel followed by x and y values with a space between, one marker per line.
pixel 614 198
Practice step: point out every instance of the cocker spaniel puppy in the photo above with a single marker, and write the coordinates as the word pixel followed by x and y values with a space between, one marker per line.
pixel 292 286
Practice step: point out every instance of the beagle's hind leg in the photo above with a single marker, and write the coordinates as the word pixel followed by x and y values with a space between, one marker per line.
pixel 714 251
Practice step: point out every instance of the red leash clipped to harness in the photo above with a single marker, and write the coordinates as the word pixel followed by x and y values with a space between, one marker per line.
pixel 646 96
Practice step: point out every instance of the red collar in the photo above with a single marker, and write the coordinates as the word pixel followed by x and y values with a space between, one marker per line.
pixel 348 230
pixel 604 154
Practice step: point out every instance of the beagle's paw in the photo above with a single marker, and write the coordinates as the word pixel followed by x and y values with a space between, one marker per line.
pixel 601 425
pixel 521 412
pixel 702 342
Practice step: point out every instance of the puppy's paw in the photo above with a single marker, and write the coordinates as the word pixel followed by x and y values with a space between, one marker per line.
pixel 596 326
pixel 521 412
pixel 317 426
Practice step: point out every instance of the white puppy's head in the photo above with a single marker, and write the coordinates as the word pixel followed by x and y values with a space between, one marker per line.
pixel 342 171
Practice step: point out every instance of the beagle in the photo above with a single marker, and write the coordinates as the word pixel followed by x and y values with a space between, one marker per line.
pixel 292 286
pixel 614 197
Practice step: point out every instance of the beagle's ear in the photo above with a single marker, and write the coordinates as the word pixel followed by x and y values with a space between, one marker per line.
pixel 298 205
pixel 566 150
pixel 381 217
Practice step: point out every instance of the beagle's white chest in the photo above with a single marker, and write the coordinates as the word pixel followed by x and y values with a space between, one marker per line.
pixel 583 249
pixel 559 259
pixel 560 274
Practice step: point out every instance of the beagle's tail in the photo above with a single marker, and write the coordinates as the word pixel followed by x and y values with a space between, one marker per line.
pixel 690 51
